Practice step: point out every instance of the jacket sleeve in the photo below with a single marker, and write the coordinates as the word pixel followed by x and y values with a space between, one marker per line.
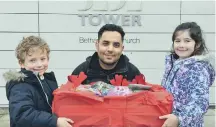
pixel 22 110
pixel 81 68
pixel 134 69
pixel 197 97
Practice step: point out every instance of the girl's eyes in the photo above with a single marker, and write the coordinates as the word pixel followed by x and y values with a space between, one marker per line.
pixel 184 41
pixel 33 60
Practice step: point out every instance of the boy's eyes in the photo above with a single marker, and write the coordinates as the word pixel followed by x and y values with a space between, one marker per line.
pixel 34 60
pixel 43 58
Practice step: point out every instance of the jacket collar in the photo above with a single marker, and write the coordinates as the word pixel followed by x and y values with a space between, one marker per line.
pixel 121 66
pixel 209 58
pixel 25 75
pixel 14 77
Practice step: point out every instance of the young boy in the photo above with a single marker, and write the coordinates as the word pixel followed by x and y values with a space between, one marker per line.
pixel 29 91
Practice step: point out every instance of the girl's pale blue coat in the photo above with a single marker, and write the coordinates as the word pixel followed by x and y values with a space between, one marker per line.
pixel 189 81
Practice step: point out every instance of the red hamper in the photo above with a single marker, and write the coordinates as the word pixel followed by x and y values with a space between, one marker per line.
pixel 140 109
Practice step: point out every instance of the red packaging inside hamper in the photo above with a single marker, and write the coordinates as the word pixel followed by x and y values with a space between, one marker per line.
pixel 141 109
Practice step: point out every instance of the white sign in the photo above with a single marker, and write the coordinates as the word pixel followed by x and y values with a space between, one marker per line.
pixel 122 19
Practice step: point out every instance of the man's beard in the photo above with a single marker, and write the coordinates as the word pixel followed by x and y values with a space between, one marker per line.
pixel 108 64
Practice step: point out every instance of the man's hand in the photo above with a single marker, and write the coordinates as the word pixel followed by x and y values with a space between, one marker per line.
pixel 64 122
pixel 171 120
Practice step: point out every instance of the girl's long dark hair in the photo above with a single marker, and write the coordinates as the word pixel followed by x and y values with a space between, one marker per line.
pixel 195 33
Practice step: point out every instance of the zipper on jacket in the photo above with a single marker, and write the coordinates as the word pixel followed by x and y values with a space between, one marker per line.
pixel 47 99
pixel 169 73
pixel 174 76
pixel 169 70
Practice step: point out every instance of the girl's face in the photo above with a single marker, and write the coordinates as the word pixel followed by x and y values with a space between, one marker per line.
pixel 183 44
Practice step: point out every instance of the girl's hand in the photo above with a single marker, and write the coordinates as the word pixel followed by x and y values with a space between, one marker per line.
pixel 171 120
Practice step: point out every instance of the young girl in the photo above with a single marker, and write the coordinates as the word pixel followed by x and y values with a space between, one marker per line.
pixel 188 75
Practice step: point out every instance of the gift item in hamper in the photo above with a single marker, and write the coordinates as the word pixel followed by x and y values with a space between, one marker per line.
pixel 119 91
pixel 101 88
pixel 138 87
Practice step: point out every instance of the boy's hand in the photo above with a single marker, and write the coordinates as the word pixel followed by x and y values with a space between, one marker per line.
pixel 64 122
pixel 171 120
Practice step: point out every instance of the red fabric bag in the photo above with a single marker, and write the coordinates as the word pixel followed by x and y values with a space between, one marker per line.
pixel 141 109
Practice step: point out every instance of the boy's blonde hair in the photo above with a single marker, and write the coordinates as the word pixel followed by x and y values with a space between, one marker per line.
pixel 28 45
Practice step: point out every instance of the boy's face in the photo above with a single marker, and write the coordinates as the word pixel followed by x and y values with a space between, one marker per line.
pixel 36 61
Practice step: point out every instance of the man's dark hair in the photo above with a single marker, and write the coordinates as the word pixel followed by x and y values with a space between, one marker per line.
pixel 111 27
